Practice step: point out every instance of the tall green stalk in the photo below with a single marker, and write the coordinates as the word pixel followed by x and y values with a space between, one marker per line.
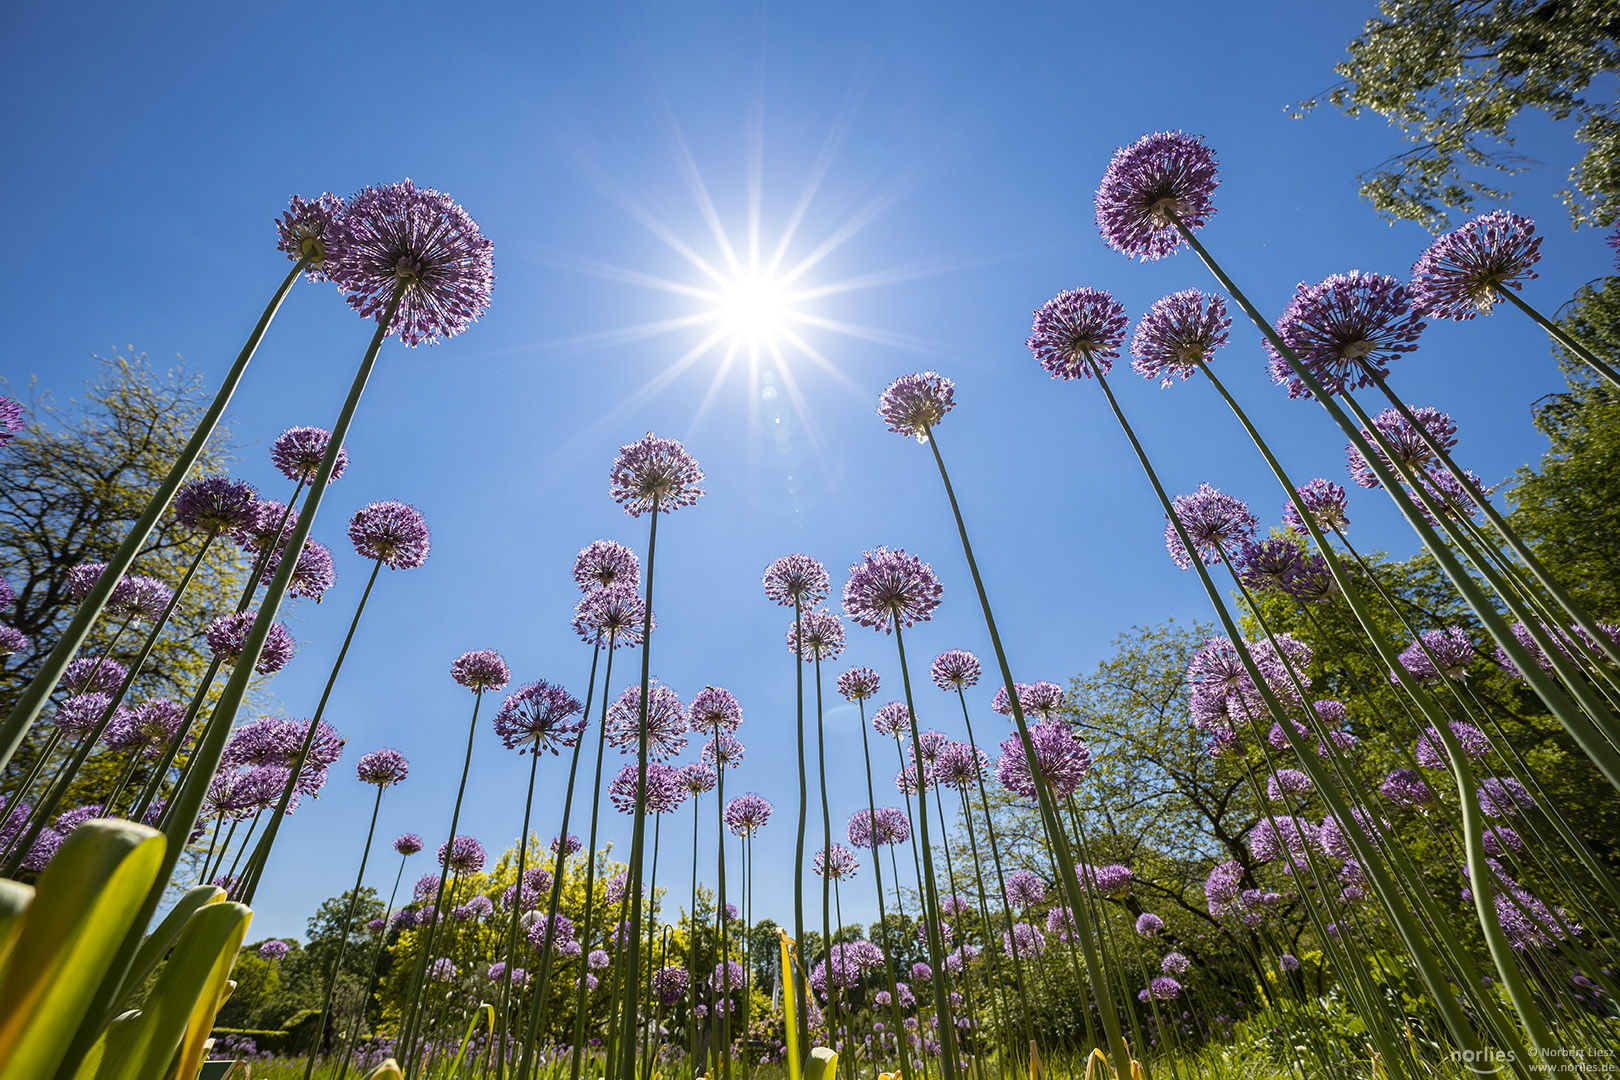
pixel 801 1010
pixel 895 1027
pixel 1560 335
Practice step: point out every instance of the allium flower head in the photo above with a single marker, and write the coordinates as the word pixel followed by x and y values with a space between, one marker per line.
pixel 392 532
pixel 796 578
pixel 664 792
pixel 480 670
pixel 728 976
pixel 274 949
pixel 76 716
pixel 893 720
pixel 722 751
pixel 139 599
pixel 1179 332
pixel 1406 787
pixel 408 844
pixel 382 767
pixel 1162 988
pixel 539 716
pixel 837 862
pixel 1286 783
pixel 1163 174
pixel 666 721
pixel 1078 333
pixel 11 419
pixel 1503 796
pixel 858 684
pixel 1042 699
pixel 1148 924
pixel 1268 565
pixel 568 842
pixel 272 524
pixel 886 587
pixel 1113 880
pixel 654 470
pixel 464 855
pixel 616 613
pixel 93 675
pixel 148 729
pixel 960 765
pixel 670 984
pixel 910 780
pixel 82 578
pixel 215 504
pixel 604 562
pixel 1272 837
pixel 1025 889
pixel 698 778
pixel 1024 941
pixel 7 593
pixel 297 452
pixel 1437 654
pixel 913 404
pixel 313 574
pixel 747 814
pixel 302 232
pixel 228 634
pixel 12 641
pixel 820 632
pixel 1462 271
pixel 402 236
pixel 1405 443
pixel 1323 500
pixel 954 669
pixel 1061 760
pixel 1216 523
pixel 1343 326
pixel 1002 704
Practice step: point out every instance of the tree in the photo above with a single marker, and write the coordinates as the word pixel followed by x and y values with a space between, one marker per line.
pixel 1454 75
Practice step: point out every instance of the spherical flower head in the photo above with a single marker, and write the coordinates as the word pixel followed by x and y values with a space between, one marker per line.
pixel 1162 988
pixel 913 404
pixel 1002 704
pixel 1024 941
pixel 568 842
pixel 465 855
pixel 1272 837
pixel 1503 796
pixel 1165 174
pixel 12 641
pixel 616 613
pixel 665 722
pixel 1323 500
pixel 722 750
pixel 670 984
pixel 1042 699
pixel 408 844
pixel 911 779
pixel 1025 888
pixel 215 504
pixel 93 675
pixel 1216 523
pixel 954 669
pixel 698 778
pixel 480 670
pixel 1406 787
pixel 1077 333
pixel 303 230
pixel 1179 332
pixel 1405 444
pixel 1268 566
pixel 313 574
pixel 82 578
pixel 602 563
pixel 443 969
pixel 1112 880
pixel 858 684
pixel 1344 329
pixel 538 717
pixel 747 814
pixel 886 825
pixel 1438 654
pixel 888 587
pixel 298 451
pixel 796 579
pixel 836 862
pixel 139 599
pixel 382 767
pixel 148 729
pixel 272 524
pixel 399 236
pixel 728 976
pixel 393 533
pixel 664 792
pixel 820 633
pixel 1286 784
pixel 1148 924
pixel 960 766
pixel 654 471
pixel 227 635
pixel 892 720
pixel 1061 761
pixel 11 419
pixel 274 949
pixel 1460 274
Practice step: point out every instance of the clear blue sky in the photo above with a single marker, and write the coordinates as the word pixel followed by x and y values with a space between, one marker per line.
pixel 954 150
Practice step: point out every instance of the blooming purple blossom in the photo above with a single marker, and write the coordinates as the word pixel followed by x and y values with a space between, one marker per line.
pixel 274 949
pixel 1431 752
pixel 1025 940
pixel 797 579
pixel 747 814
pixel 893 720
pixel 1285 783
pixel 302 231
pixel 407 844
pixel 399 239
pixel 297 453
pixel 1499 839
pixel 465 855
pixel 665 727
pixel 954 669
pixel 670 984
pixel 1438 653
pixel 890 587
pixel 1288 962
pixel 715 709
pixel 654 472
pixel 568 842
pixel 728 976
pixel 480 670
pixel 1216 523
pixel 271 526
pixel 227 635
pixel 1460 274
pixel 722 750
pixel 539 716
pixel 1274 837
pixel 959 765
pixel 892 827
pixel 1025 889
pixel 858 684
pixel 820 632
pixel 602 563
pixel 11 419
pixel 1503 796
pixel 1163 175
pixel 215 504
pixel 1148 924
pixel 1323 500
pixel 1114 880
pixel 615 612
pixel 394 533
pixel 1268 565
pixel 1077 333
pixel 93 675
pixel 382 767
pixel 1162 988
pixel 1043 699
pixel 139 598
pixel 1344 330
pixel 837 862
pixel 313 574
pixel 1406 787
pixel 913 404
pixel 148 729
pixel 1397 441
pixel 663 794
pixel 12 641
pixel 1179 332
pixel 698 778
pixel 1061 760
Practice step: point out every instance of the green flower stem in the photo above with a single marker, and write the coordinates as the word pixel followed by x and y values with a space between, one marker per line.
pixel 984 916
pixel 722 1023
pixel 261 854
pixel 343 941
pixel 510 954
pixel 1106 1007
pixel 692 936
pixel 895 1027
pixel 38 691
pixel 631 1004
pixel 801 1011
pixel 1560 335
pixel 834 1004
pixel 590 876
pixel 371 984
pixel 252 826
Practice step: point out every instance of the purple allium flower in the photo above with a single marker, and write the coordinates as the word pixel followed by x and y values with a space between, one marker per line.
pixel 1179 332
pixel 614 612
pixel 568 842
pixel 670 984
pixel 377 925
pixel 1041 699
pixel 1216 523
pixel 892 827
pixel 1499 839
pixel 12 641
pixel 1288 962
pixel 1148 924
pixel 1268 565
pixel 1222 885
pixel 1503 796
pixel 297 452
pixel 1285 783
pixel 858 684
pixel 722 750
pixel 747 814
pixel 909 780
pixel 1331 837
pixel 796 578
pixel 1174 963
pixel 715 709
pixel 927 747
pixel 837 862
pixel 272 525
pixel 913 404
pixel 302 232
pixel 893 720
pixel 480 670
pixel 1431 752
pixel 1025 940
pixel 539 716
pixel 602 563
pixel 1459 275
pixel 267 740
pixel 956 905
pixel 1323 500
pixel 497 973
pixel 886 587
pixel 728 976
pixel 698 778
pixel 408 844
pixel 313 574
pixel 1406 787
pixel 921 972
pixel 227 635
pixel 443 969
pixel 1114 880
pixel 821 633
pixel 1025 889
pixel 11 419
pixel 557 931
pixel 663 795
pixel 666 722
pixel 274 949
pixel 382 767
pixel 1343 326
pixel 1272 837
pixel 1078 333
pixel 394 533
pixel 148 729
pixel 959 765
pixel 82 578
pixel 93 675
pixel 479 907
pixel 955 669
pixel 1312 582
pixel 1000 702
pixel 1162 988
pixel 1168 173
pixel 139 598
pixel 426 887
pixel 654 470
pixel 1061 925
pixel 399 236
pixel 1405 443
pixel 1061 760
pixel 465 855
pixel 215 504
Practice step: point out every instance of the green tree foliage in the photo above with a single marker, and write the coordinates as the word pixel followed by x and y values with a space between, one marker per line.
pixel 1455 75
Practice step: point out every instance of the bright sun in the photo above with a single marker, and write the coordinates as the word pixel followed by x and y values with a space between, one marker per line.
pixel 754 309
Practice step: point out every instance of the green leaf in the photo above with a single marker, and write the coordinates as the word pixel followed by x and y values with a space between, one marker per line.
pixel 472 1024
pixel 14 900
pixel 161 940
pixel 84 904
pixel 823 1065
